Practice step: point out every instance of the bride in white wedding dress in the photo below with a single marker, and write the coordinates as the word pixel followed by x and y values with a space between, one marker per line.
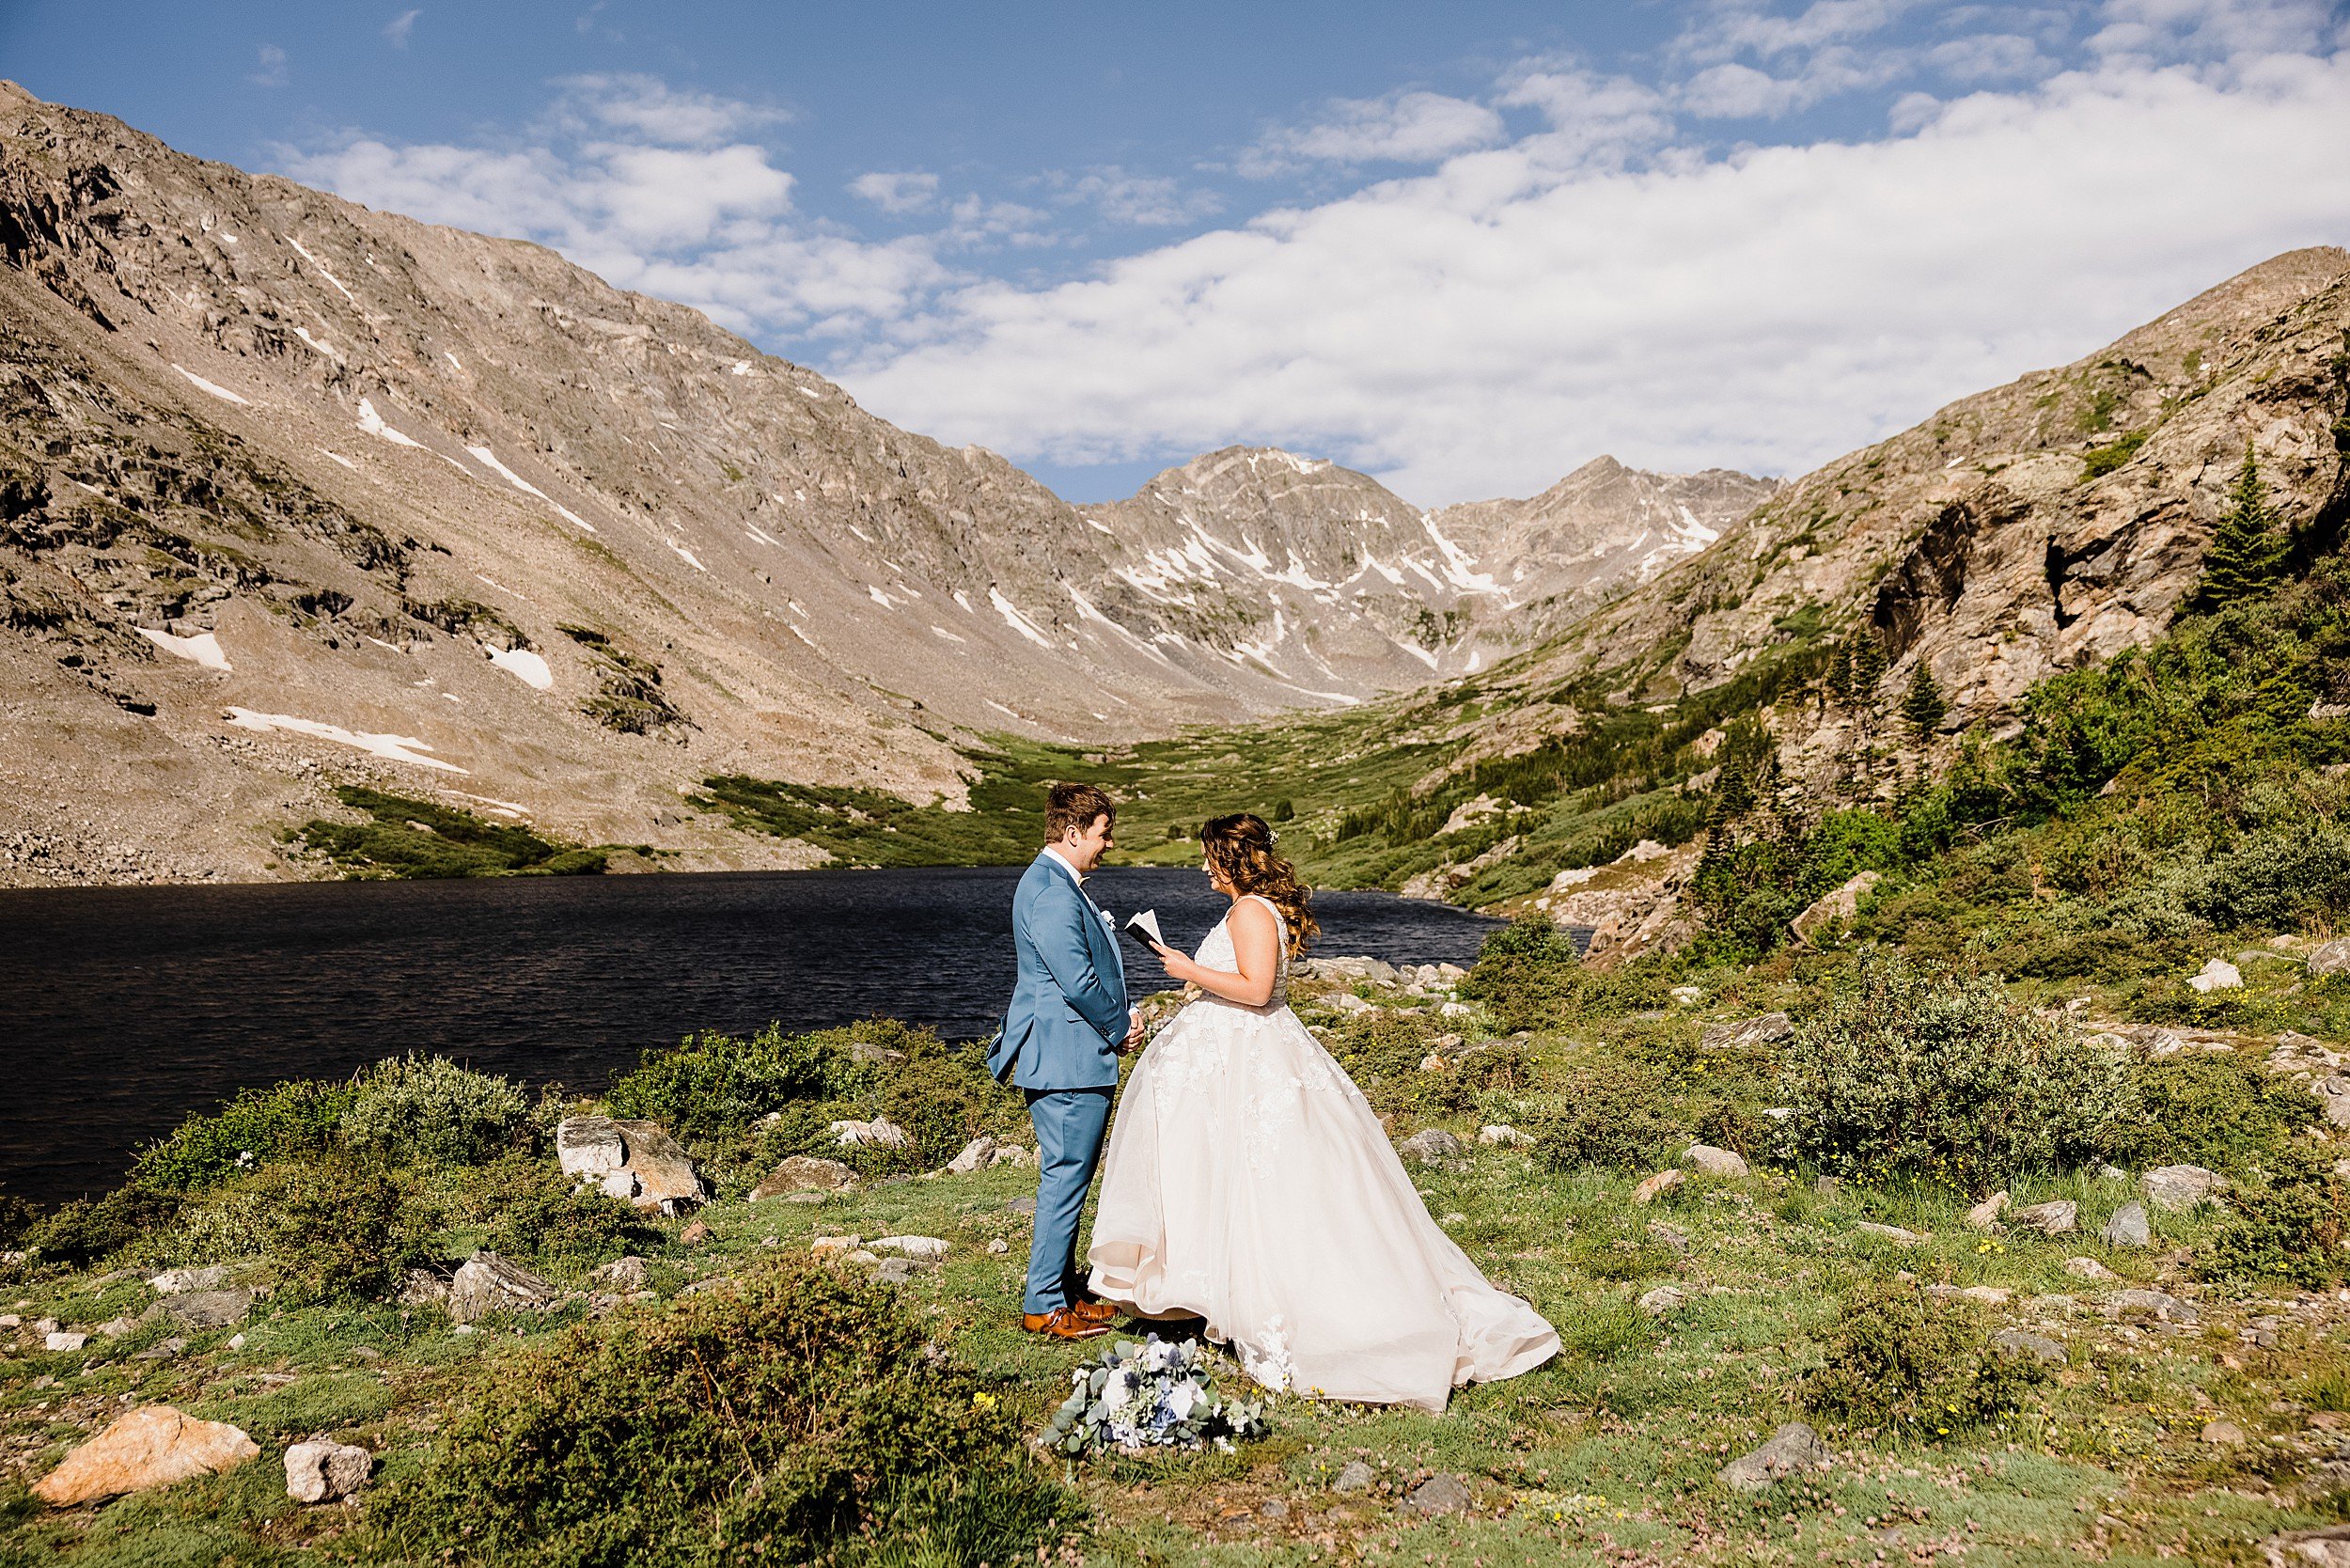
pixel 1249 1182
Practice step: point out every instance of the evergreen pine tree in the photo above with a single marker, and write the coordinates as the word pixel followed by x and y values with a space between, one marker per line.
pixel 1924 704
pixel 1839 683
pixel 1868 668
pixel 2247 554
pixel 1733 792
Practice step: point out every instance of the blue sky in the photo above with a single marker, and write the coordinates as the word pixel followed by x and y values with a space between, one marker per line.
pixel 1463 246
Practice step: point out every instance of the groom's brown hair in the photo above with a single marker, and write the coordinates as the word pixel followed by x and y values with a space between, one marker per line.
pixel 1076 806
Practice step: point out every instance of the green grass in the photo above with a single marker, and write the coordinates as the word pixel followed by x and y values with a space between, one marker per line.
pixel 1614 1445
pixel 406 837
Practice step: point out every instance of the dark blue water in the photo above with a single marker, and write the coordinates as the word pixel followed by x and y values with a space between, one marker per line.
pixel 122 1010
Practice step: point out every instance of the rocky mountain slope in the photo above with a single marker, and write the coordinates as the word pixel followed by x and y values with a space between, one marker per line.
pixel 1323 575
pixel 2036 527
pixel 2044 523
pixel 293 493
pixel 1603 528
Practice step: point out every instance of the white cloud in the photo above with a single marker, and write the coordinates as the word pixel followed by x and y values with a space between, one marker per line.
pixel 2147 30
pixel 977 221
pixel 629 179
pixel 1484 327
pixel 1400 128
pixel 1732 27
pixel 396 30
pixel 1140 201
pixel 903 192
pixel 1991 57
pixel 1735 91
pixel 272 71
pixel 631 104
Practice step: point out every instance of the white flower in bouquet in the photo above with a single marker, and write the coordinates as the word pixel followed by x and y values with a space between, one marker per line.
pixel 1150 1395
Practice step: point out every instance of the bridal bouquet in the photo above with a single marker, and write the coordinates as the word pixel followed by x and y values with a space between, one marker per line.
pixel 1154 1394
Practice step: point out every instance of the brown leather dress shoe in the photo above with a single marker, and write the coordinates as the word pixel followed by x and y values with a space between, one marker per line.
pixel 1061 1323
pixel 1089 1310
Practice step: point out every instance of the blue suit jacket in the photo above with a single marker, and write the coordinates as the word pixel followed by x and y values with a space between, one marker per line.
pixel 1068 1012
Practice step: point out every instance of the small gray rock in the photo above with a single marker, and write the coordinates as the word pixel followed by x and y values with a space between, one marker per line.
pixel 2176 1187
pixel 1985 1214
pixel 1671 1235
pixel 623 1275
pixel 2015 1341
pixel 1502 1135
pixel 1893 1233
pixel 589 1146
pixel 422 1287
pixel 2088 1268
pixel 320 1471
pixel 2128 1227
pixel 1664 1301
pixel 1442 1493
pixel 2331 958
pixel 488 1283
pixel 897 1271
pixel 1429 1146
pixel 1766 1029
pixel 2170 1309
pixel 1356 1477
pixel 201 1309
pixel 1714 1162
pixel 174 1282
pixel 2218 975
pixel 2050 1219
pixel 1793 1446
pixel 975 1155
pixel 803 1173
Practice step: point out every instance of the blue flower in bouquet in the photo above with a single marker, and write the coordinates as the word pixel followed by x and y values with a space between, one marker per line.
pixel 1154 1394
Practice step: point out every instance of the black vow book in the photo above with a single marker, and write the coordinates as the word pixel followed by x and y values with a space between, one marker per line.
pixel 1144 929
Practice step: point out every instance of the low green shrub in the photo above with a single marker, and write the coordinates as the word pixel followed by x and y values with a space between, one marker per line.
pixel 1386 1053
pixel 429 1111
pixel 713 1084
pixel 406 837
pixel 534 1212
pixel 16 1217
pixel 2278 878
pixel 88 1229
pixel 1929 1073
pixel 943 1096
pixel 796 1416
pixel 259 1125
pixel 1612 1115
pixel 335 1230
pixel 2287 1228
pixel 1902 1364
pixel 1525 974
pixel 2209 1109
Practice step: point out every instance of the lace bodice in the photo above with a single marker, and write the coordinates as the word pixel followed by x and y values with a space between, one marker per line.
pixel 1217 953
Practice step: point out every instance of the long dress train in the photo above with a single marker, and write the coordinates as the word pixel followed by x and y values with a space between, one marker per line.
pixel 1247 1182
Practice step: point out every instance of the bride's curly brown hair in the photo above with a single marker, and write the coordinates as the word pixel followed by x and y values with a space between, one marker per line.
pixel 1241 848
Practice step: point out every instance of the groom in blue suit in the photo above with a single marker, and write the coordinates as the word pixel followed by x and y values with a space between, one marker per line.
pixel 1067 1026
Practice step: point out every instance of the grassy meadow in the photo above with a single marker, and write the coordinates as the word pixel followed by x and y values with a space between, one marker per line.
pixel 2190 1432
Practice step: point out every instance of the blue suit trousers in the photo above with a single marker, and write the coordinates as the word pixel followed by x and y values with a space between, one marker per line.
pixel 1068 1126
